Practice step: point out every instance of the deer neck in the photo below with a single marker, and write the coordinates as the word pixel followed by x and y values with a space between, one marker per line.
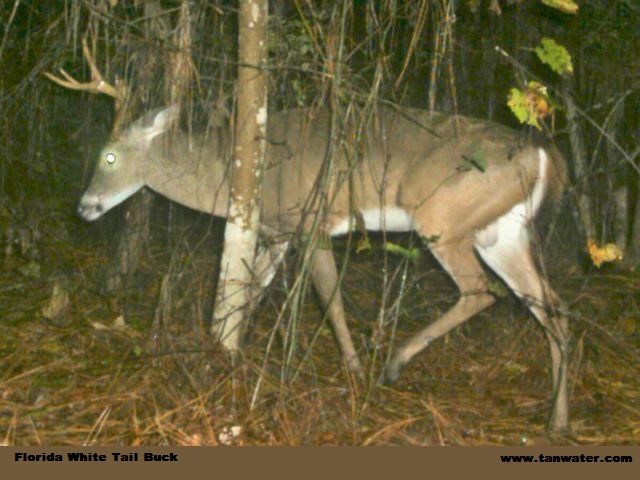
pixel 191 172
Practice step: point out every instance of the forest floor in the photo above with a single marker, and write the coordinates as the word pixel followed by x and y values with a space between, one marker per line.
pixel 82 367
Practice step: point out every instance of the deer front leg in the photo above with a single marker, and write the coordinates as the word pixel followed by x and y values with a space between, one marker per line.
pixel 324 275
pixel 268 259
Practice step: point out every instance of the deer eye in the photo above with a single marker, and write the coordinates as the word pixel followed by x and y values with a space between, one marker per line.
pixel 111 158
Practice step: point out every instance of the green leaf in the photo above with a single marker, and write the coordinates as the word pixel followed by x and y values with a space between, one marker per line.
pixel 363 244
pixel 477 160
pixel 497 289
pixel 566 6
pixel 519 106
pixel 431 240
pixel 412 254
pixel 555 55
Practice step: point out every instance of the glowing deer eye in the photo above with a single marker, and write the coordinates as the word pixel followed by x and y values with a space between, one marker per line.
pixel 111 158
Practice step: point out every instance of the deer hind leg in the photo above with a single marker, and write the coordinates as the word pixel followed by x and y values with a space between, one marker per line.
pixel 460 261
pixel 324 275
pixel 509 255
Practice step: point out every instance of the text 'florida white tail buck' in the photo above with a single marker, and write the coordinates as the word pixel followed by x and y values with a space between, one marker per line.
pixel 414 172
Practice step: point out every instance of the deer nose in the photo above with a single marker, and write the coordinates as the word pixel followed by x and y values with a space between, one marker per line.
pixel 90 211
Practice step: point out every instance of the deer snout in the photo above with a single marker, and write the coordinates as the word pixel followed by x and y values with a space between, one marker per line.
pixel 90 208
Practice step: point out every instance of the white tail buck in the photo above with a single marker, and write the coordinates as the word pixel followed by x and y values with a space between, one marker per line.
pixel 415 172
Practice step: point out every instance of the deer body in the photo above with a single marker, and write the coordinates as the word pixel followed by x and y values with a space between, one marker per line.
pixel 414 172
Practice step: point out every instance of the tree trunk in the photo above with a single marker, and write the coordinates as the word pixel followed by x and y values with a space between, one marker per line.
pixel 576 138
pixel 133 238
pixel 632 254
pixel 632 257
pixel 236 268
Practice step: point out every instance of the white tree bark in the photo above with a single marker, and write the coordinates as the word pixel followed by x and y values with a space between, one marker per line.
pixel 233 296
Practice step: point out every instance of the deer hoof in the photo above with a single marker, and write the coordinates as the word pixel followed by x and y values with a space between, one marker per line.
pixel 390 374
pixel 354 366
pixel 559 427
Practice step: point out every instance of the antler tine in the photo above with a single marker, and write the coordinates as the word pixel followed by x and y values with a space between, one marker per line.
pixel 96 76
pixel 97 83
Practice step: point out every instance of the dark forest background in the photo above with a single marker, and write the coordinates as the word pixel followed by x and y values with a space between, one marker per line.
pixel 77 300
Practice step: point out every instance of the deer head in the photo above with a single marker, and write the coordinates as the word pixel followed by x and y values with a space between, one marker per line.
pixel 119 171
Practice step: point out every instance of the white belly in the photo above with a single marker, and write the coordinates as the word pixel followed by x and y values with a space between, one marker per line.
pixel 390 219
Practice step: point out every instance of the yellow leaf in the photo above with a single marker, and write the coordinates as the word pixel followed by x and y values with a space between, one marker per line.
pixel 607 253
pixel 566 6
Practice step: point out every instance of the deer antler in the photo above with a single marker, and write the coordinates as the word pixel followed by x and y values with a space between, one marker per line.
pixel 97 83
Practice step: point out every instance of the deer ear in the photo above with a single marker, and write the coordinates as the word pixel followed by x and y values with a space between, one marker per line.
pixel 155 122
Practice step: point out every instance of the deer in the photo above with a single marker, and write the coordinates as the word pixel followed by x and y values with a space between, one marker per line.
pixel 416 171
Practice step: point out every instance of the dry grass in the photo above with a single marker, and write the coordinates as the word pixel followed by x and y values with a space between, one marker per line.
pixel 80 378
